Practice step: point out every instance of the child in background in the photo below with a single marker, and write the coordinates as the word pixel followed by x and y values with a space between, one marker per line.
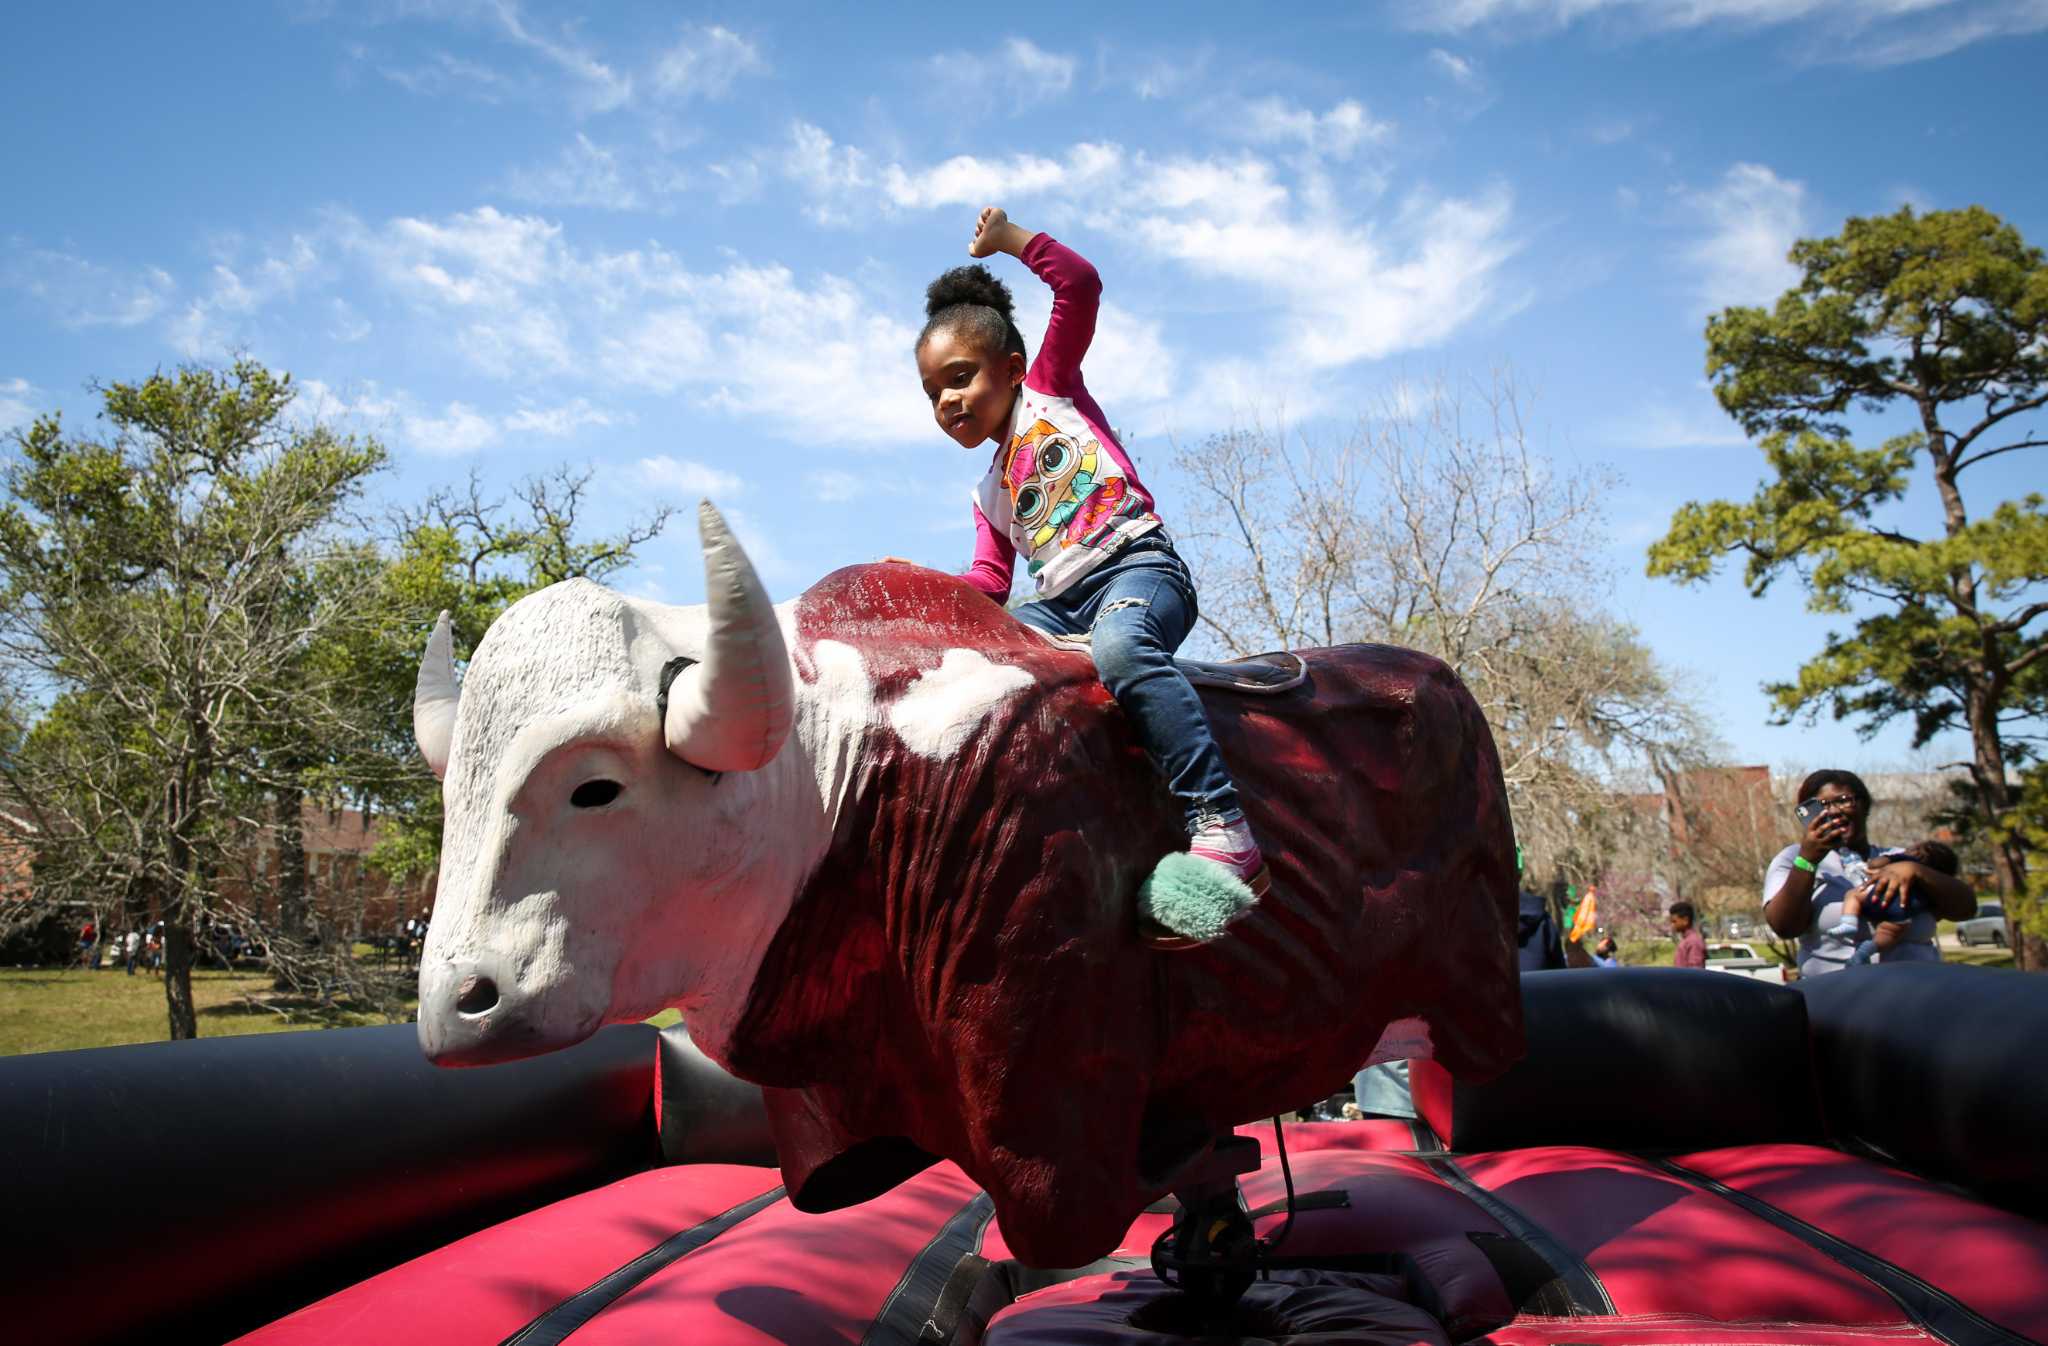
pixel 1867 902
pixel 1060 490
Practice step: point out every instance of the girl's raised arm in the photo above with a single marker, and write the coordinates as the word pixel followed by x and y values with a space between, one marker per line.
pixel 1076 294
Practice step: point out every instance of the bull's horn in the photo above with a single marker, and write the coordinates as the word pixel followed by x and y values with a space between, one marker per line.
pixel 731 710
pixel 434 697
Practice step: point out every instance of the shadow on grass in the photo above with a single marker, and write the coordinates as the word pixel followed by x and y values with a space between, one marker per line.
pixel 305 1012
pixel 386 999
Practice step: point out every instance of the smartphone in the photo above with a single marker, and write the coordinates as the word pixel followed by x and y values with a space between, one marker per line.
pixel 1808 810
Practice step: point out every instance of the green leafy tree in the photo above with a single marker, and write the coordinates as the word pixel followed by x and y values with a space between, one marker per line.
pixel 1943 316
pixel 160 598
pixel 471 557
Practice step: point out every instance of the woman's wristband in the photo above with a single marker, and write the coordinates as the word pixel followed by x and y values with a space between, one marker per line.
pixel 1801 862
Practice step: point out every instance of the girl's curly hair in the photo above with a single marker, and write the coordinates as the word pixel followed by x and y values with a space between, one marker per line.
pixel 970 298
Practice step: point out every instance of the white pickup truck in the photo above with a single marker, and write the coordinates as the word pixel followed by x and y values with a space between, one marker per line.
pixel 1744 961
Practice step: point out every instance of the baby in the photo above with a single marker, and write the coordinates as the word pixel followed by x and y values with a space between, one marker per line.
pixel 1869 902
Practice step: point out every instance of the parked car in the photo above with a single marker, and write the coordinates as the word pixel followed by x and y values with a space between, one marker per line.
pixel 1744 961
pixel 1986 927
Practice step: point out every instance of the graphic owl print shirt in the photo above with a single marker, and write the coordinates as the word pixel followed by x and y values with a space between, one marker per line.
pixel 1060 491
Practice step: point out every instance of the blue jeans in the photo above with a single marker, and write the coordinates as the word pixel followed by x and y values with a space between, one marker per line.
pixel 1137 607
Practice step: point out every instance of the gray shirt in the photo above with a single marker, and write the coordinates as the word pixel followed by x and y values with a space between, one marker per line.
pixel 1834 877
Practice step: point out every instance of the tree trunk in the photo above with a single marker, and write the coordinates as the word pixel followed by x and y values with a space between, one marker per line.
pixel 1984 692
pixel 291 881
pixel 178 952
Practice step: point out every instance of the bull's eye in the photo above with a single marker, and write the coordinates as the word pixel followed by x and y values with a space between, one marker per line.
pixel 595 794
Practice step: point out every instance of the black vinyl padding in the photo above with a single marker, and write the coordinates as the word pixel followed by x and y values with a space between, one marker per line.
pixel 189 1191
pixel 707 1116
pixel 1939 1067
pixel 1653 1059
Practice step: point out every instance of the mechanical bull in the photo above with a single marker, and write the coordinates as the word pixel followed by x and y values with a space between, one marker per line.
pixel 881 847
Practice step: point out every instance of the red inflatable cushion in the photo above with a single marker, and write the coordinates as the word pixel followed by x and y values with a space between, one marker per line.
pixel 1393 1204
pixel 786 1276
pixel 1372 1133
pixel 1294 1306
pixel 1658 1244
pixel 1673 1329
pixel 483 1288
pixel 1992 1260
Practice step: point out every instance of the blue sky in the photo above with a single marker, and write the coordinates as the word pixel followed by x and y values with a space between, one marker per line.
pixel 688 247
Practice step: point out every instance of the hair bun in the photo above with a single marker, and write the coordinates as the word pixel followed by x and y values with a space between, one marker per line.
pixel 967 285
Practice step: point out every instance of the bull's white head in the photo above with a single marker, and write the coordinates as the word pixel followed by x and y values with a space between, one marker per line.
pixel 599 860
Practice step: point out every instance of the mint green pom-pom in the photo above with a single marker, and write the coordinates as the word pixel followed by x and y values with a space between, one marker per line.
pixel 1193 897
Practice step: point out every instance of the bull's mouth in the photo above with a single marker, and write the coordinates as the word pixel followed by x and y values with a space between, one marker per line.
pixel 464 1021
pixel 490 1043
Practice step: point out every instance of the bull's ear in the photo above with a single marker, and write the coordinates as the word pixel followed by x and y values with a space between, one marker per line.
pixel 732 710
pixel 434 698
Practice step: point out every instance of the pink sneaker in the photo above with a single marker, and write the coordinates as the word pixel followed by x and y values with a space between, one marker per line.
pixel 1230 845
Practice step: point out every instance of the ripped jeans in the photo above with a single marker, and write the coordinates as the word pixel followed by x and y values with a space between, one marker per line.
pixel 1137 607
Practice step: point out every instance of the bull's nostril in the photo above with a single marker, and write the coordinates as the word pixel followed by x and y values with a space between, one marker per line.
pixel 476 995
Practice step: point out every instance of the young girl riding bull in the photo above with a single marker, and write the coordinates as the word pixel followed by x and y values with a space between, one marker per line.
pixel 1061 492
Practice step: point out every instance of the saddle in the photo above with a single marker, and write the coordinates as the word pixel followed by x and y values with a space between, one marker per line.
pixel 1253 675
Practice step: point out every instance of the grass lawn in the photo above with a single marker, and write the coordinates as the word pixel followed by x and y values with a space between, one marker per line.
pixel 59 1009
pixel 54 1010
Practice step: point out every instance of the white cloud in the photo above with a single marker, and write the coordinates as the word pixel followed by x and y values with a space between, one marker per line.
pixel 368 409
pixel 1459 69
pixel 821 361
pixel 833 486
pixel 480 258
pixel 1351 290
pixel 349 325
pixel 1347 288
pixel 558 422
pixel 814 357
pixel 1868 32
pixel 459 430
pixel 1750 220
pixel 768 557
pixel 1461 15
pixel 595 85
pixel 687 477
pixel 664 350
pixel 965 180
pixel 1018 75
pixel 844 182
pixel 604 88
pixel 446 74
pixel 82 293
pixel 1336 133
pixel 1047 72
pixel 583 174
pixel 18 398
pixel 1160 76
pixel 1130 366
pixel 217 321
pixel 520 342
pixel 705 63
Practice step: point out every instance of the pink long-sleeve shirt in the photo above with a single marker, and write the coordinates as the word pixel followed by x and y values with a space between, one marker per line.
pixel 1060 491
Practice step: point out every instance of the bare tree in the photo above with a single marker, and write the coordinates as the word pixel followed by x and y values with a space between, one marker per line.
pixel 1435 525
pixel 162 596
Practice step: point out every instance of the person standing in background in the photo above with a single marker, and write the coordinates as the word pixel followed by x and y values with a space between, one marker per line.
pixel 1692 945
